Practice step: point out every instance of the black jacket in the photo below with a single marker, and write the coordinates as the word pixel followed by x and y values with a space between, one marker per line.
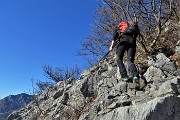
pixel 126 37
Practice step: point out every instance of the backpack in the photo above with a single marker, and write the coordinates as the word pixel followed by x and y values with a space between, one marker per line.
pixel 128 28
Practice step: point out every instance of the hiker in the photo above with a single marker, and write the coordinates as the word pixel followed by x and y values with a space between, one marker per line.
pixel 127 42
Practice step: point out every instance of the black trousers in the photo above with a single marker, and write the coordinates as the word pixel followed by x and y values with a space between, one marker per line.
pixel 131 50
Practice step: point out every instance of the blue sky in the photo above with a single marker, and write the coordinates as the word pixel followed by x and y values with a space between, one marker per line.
pixel 34 33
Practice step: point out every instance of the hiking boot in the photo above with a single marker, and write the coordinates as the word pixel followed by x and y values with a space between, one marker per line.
pixel 125 79
pixel 135 79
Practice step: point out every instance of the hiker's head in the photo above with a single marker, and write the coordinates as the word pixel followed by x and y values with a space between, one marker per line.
pixel 122 23
pixel 123 26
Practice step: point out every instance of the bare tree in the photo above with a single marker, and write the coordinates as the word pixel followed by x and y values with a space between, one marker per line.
pixel 43 85
pixel 151 15
pixel 61 74
pixel 55 75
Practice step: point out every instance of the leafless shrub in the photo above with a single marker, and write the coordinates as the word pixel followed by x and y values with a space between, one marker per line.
pixel 61 74
pixel 151 15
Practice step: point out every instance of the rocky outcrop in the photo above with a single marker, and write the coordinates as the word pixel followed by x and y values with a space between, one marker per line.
pixel 99 95
pixel 13 102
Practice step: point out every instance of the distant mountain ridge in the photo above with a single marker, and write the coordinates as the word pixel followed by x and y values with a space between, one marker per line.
pixel 13 102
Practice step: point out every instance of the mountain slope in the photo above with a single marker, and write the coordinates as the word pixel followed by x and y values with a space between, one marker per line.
pixel 13 102
pixel 100 95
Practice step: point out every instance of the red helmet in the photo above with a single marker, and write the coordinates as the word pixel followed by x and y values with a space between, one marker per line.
pixel 123 26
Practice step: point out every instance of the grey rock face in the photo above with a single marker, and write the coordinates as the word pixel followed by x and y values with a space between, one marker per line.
pixel 99 95
pixel 154 74
pixel 160 108
pixel 169 87
pixel 161 61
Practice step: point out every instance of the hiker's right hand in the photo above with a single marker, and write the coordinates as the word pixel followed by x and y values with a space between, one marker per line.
pixel 110 48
